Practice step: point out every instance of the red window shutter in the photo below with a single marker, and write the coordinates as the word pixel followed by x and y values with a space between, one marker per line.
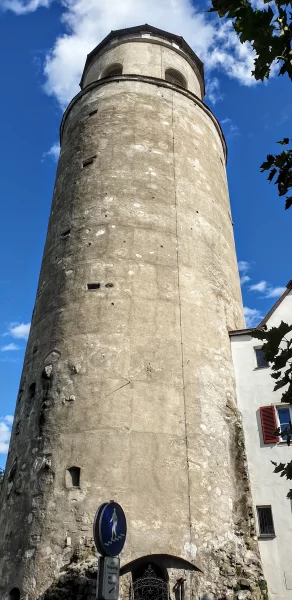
pixel 269 424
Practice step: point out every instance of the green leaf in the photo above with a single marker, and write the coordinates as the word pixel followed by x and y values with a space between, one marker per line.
pixel 288 470
pixel 259 334
pixel 272 174
pixel 279 468
pixel 276 375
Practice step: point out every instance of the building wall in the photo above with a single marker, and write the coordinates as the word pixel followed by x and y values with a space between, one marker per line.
pixel 255 389
pixel 134 381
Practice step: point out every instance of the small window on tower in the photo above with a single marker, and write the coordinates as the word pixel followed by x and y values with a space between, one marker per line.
pixel 116 69
pixel 31 390
pixel 265 521
pixel 93 286
pixel 65 233
pixel 260 358
pixel 73 477
pixel 175 77
pixel 88 161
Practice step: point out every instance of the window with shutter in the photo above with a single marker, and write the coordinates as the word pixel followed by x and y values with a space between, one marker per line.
pixel 269 424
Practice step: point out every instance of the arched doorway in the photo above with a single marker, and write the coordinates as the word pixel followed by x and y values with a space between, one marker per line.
pixel 149 583
pixel 14 594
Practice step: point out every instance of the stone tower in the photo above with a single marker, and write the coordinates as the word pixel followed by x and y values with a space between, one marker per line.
pixel 127 390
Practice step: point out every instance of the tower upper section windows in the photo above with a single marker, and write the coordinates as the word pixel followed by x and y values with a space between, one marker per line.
pixel 148 52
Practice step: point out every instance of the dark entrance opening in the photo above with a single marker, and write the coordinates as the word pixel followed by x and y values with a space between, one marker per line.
pixel 149 583
pixel 14 594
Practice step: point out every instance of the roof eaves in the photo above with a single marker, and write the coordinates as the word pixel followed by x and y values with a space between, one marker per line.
pixel 279 301
pixel 240 332
pixel 266 318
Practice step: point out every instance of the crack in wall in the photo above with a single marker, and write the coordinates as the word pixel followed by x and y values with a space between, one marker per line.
pixel 180 326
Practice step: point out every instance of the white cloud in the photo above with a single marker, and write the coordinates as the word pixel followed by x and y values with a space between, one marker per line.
pixel 213 90
pixel 9 419
pixel 244 279
pixel 9 347
pixel 53 152
pixel 22 7
pixel 18 331
pixel 275 292
pixel 243 267
pixel 229 128
pixel 268 290
pixel 259 287
pixel 252 316
pixel 4 437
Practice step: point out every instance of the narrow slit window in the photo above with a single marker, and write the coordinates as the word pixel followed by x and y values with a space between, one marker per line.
pixel 31 390
pixel 93 286
pixel 73 477
pixel 66 233
pixel 93 112
pixel 260 358
pixel 88 161
pixel 265 521
pixel 14 594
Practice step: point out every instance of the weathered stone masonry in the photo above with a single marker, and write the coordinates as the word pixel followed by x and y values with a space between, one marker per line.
pixel 127 390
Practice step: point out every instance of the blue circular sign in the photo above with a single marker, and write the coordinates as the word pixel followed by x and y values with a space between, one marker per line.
pixel 110 529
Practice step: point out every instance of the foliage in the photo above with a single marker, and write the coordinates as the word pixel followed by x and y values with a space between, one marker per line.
pixel 277 348
pixel 281 165
pixel 269 31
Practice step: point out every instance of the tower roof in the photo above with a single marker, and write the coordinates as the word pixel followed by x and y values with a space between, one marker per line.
pixel 179 40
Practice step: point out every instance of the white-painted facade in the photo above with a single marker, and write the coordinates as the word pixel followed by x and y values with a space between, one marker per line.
pixel 255 390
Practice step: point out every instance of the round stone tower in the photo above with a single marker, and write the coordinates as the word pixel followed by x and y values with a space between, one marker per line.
pixel 127 391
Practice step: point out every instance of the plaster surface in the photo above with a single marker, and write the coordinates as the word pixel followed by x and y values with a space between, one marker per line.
pixel 141 55
pixel 132 382
pixel 255 389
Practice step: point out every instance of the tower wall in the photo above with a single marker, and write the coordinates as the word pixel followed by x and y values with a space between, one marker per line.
pixel 134 382
pixel 141 55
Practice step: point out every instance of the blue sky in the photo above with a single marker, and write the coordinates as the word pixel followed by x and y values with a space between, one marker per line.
pixel 43 46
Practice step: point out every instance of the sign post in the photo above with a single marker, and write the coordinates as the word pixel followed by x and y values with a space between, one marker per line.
pixel 109 531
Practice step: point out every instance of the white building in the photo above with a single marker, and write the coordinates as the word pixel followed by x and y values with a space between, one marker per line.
pixel 262 412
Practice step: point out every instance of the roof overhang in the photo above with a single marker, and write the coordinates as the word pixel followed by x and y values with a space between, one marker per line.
pixel 267 317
